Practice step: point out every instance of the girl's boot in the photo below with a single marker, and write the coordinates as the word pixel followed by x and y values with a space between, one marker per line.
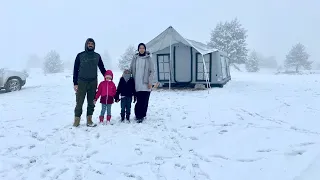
pixel 108 118
pixel 101 119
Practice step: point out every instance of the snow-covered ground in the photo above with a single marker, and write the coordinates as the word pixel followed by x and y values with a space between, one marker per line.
pixel 259 126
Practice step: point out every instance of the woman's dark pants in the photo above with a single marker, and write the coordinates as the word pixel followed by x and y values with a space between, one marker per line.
pixel 142 103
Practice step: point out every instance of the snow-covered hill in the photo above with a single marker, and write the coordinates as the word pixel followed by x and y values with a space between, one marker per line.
pixel 259 126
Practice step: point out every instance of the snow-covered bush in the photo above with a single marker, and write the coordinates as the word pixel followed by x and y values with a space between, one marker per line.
pixel 297 58
pixel 252 63
pixel 53 63
pixel 126 58
pixel 230 37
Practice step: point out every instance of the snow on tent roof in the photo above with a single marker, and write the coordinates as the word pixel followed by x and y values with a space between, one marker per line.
pixel 170 35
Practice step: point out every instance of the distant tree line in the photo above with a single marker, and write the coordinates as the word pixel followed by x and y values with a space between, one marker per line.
pixel 52 62
pixel 231 38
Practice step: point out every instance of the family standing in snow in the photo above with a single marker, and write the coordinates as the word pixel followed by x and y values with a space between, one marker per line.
pixel 135 83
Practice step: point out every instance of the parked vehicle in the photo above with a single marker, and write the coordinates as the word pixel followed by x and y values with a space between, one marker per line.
pixel 11 80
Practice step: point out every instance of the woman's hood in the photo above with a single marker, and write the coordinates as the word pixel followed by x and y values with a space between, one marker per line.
pixel 146 56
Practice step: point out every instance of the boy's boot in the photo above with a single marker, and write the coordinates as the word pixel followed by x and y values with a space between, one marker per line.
pixel 122 117
pixel 76 122
pixel 108 118
pixel 101 119
pixel 89 122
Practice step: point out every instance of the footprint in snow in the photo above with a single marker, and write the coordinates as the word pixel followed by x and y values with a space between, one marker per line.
pixel 295 152
pixel 199 172
pixel 193 138
pixel 177 165
pixel 265 150
pixel 220 157
pixel 35 135
pixel 11 149
pixel 97 136
pixel 31 161
pixel 150 140
pixel 306 144
pixel 223 131
pixel 105 162
pixel 195 165
pixel 16 166
pixel 91 154
pixel 138 151
pixel 130 175
pixel 249 160
pixel 46 171
pixel 60 172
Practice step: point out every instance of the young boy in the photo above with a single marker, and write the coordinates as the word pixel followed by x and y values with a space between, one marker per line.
pixel 126 89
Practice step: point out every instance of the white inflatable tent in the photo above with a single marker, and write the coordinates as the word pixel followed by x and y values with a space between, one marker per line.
pixel 184 51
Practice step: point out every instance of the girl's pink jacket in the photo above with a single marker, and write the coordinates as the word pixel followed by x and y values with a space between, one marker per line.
pixel 107 90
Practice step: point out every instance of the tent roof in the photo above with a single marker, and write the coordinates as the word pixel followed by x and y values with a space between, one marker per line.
pixel 170 35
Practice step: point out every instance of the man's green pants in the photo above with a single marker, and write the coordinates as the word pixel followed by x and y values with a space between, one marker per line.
pixel 85 88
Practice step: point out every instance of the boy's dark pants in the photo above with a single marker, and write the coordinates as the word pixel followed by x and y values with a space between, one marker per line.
pixel 126 106
pixel 141 107
pixel 85 88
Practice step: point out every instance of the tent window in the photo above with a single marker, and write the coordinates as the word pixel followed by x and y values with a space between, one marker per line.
pixel 163 67
pixel 201 73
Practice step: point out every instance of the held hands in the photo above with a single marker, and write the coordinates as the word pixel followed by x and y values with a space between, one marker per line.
pixel 94 102
pixel 75 87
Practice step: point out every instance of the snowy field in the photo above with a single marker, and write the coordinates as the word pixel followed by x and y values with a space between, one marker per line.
pixel 259 126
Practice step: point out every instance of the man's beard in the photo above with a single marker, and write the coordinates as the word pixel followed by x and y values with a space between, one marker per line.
pixel 90 48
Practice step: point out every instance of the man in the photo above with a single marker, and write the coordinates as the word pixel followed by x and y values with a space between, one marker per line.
pixel 85 80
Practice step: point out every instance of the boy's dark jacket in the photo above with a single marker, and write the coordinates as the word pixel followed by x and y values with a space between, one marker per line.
pixel 125 88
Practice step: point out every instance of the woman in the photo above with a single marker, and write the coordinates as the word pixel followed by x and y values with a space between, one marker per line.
pixel 142 69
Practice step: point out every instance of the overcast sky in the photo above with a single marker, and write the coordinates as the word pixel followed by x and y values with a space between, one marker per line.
pixel 38 26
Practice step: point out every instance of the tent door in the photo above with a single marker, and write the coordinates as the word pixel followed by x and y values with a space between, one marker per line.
pixel 182 59
pixel 163 64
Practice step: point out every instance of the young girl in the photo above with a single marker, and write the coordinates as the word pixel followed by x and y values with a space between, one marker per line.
pixel 107 91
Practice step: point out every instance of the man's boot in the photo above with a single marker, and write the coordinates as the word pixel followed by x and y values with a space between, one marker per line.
pixel 128 117
pixel 89 122
pixel 76 122
pixel 122 117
